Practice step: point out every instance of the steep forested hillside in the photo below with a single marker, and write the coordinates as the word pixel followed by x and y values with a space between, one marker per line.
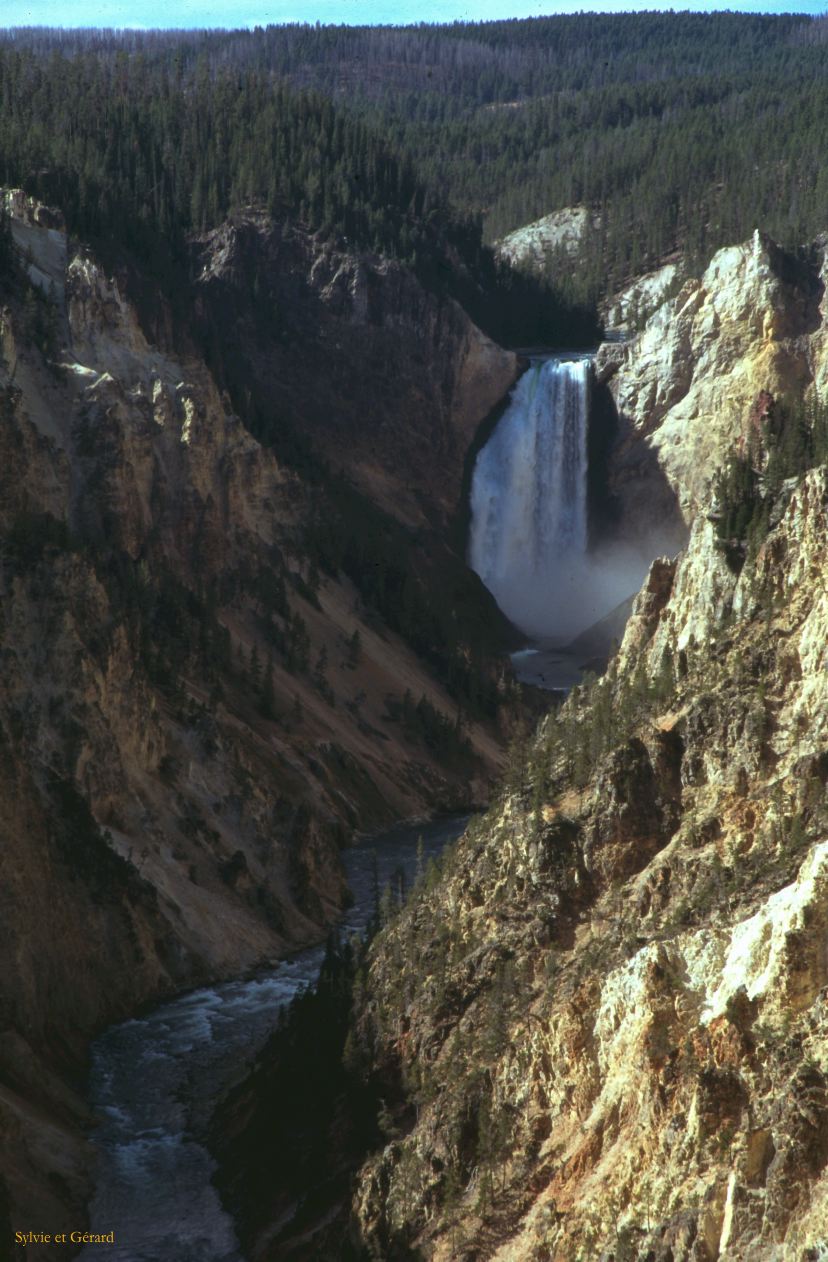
pixel 139 153
pixel 682 130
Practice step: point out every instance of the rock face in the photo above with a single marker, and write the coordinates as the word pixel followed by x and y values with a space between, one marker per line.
pixel 561 232
pixel 603 1035
pixel 601 1031
pixel 388 380
pixel 684 386
pixel 192 720
pixel 626 312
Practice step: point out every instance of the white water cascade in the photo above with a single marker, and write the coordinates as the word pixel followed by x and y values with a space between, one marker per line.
pixel 528 503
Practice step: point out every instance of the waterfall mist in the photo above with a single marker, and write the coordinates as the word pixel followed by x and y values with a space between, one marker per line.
pixel 529 510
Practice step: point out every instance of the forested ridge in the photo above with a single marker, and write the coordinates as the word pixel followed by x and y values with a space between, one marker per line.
pixel 140 150
pixel 683 131
pixel 127 145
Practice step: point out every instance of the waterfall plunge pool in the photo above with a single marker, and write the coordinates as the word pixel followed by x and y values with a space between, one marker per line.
pixel 553 669
pixel 529 527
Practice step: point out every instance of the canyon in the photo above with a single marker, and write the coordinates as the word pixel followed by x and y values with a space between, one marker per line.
pixel 599 1029
pixel 620 1035
pixel 196 715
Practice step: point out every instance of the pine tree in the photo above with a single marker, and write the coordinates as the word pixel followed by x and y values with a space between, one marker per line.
pixel 6 244
pixel 255 672
pixel 267 703
pixel 354 650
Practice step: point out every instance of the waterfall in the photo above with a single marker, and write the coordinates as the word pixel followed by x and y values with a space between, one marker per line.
pixel 528 501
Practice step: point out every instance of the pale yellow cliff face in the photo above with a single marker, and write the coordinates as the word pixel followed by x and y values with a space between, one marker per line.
pixel 624 970
pixel 662 1078
pixel 625 312
pixel 687 381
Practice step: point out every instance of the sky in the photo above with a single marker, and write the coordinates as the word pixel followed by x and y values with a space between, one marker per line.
pixel 246 13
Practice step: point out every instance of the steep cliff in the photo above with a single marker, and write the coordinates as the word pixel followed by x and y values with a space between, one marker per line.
pixel 683 386
pixel 193 717
pixel 388 380
pixel 599 1031
pixel 611 1040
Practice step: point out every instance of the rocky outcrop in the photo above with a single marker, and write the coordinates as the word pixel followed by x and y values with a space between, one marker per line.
pixel 192 718
pixel 610 1041
pixel 625 313
pixel 388 380
pixel 755 320
pixel 537 244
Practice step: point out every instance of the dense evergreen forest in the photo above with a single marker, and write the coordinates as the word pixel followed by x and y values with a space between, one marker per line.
pixel 683 131
pixel 142 148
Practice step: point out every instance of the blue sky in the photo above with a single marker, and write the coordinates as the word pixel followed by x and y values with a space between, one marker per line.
pixel 235 13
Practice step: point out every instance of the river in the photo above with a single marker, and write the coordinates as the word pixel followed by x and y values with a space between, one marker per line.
pixel 156 1079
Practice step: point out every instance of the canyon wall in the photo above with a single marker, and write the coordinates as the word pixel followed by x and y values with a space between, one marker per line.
pixel 599 1030
pixel 193 717
pixel 619 1035
pixel 388 379
pixel 610 1041
pixel 684 385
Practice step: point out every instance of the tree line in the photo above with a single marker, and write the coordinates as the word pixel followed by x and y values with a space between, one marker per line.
pixel 681 130
pixel 141 154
